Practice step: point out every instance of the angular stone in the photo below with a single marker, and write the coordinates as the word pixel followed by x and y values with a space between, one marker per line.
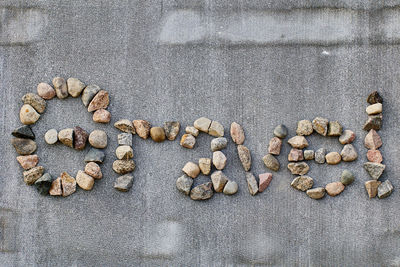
pixel 124 183
pixel 24 132
pixel 320 125
pixel 333 158
pixel 125 126
pixel 245 157
pixel 298 142
pixel 28 115
pixel 218 143
pixel 171 129
pixel 30 176
pixel 231 188
pixel 191 169
pixel 124 152
pixel 61 87
pixel 335 128
pixel 66 136
pixel 219 180
pixel 237 133
pixel 192 130
pixel 373 122
pixel 374 156
pixel 157 134
pixel 316 193
pixel 24 146
pixel 55 188
pixel 372 140
pixel 88 93
pixel 374 98
pixel 202 124
pixel 38 103
pixel 216 129
pixel 281 131
pixel 125 139
pixel 28 162
pixel 75 87
pixel 99 101
pixel 347 177
pixel 295 155
pixel 385 189
pixel 320 155
pixel 202 192
pixel 309 154
pixel 51 136
pixel 304 127
pixel 372 187
pixel 219 160
pixel 299 168
pixel 251 183
pixel 45 91
pixel 374 109
pixel 334 189
pixel 188 141
pixel 98 139
pixel 184 184
pixel 271 162
pixel 80 138
pixel 123 166
pixel 347 137
pixel 43 184
pixel 375 170
pixel 84 180
pixel 302 183
pixel 68 184
pixel 95 155
pixel 265 179
pixel 102 116
pixel 205 165
pixel 93 169
pixel 275 145
pixel 349 153
pixel 142 128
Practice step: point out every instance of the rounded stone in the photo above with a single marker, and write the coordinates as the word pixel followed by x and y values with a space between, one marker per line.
pixel 99 101
pixel 123 166
pixel 188 141
pixel 320 156
pixel 333 158
pixel 84 180
pixel 28 115
pixel 88 93
pixel 51 136
pixel 205 165
pixel 298 141
pixel 334 189
pixel 347 177
pixel 75 87
pixel 157 134
pixel 98 139
pixel 61 87
pixel 281 131
pixel 124 152
pixel 45 91
pixel 308 154
pixel 202 124
pixel 171 129
pixel 93 169
pixel 24 146
pixel 66 136
pixel 191 169
pixel 218 143
pixel 184 184
pixel 38 103
pixel 349 153
pixel 80 138
pixel 304 127
pixel 216 129
pixel 271 162
pixel 231 187
pixel 237 133
pixel 316 193
pixel 102 116
pixel 374 109
pixel 219 160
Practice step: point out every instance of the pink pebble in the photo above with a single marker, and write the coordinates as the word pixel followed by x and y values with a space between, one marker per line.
pixel 265 179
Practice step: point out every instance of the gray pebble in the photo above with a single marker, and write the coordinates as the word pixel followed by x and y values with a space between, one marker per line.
pixel 320 155
pixel 308 154
pixel 88 93
pixel 125 139
pixel 218 143
pixel 95 155
pixel 281 131
pixel 124 183
pixel 184 184
pixel 51 136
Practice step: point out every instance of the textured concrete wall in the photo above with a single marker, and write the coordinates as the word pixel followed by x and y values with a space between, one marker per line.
pixel 260 63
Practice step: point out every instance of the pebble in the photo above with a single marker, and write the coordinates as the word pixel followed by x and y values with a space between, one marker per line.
pixel 298 142
pixel 347 137
pixel 334 189
pixel 218 143
pixel 142 128
pixel 372 187
pixel 320 155
pixel 374 98
pixel 374 109
pixel 205 165
pixel 45 91
pixel 68 184
pixel 99 101
pixel 66 136
pixel 24 146
pixel 88 93
pixel 373 122
pixel 302 183
pixel 304 127
pixel 295 155
pixel 251 183
pixel 385 189
pixel 237 133
pixel 51 136
pixel 84 180
pixel 333 158
pixel 374 156
pixel 271 162
pixel 265 179
pixel 38 103
pixel 75 87
pixel 61 87
pixel 24 132
pixel 192 130
pixel 372 140
pixel 202 192
pixel 231 188
pixel 216 129
pixel 124 152
pixel 188 141
pixel 43 184
pixel 125 126
pixel 55 188
pixel 32 175
pixel 320 125
pixel 219 180
pixel 191 169
pixel 184 184
pixel 335 128
pixel 219 160
pixel 202 124
pixel 28 115
pixel 28 162
pixel 157 134
pixel 316 193
pixel 275 145
pixel 171 129
pixel 309 154
pixel 125 139
pixel 98 139
pixel 93 169
pixel 245 157
pixel 124 183
pixel 80 138
pixel 123 166
pixel 299 168
pixel 349 153
pixel 347 177
pixel 102 116
pixel 375 170
pixel 95 155
pixel 281 131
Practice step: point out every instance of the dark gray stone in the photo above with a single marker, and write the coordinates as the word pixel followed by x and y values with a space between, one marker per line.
pixel 281 131
pixel 385 189
pixel 24 146
pixel 43 184
pixel 95 155
pixel 24 132
pixel 124 183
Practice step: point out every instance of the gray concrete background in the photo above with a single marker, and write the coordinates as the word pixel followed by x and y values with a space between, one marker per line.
pixel 260 63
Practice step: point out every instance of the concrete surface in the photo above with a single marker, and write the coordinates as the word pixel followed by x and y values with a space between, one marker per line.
pixel 260 63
